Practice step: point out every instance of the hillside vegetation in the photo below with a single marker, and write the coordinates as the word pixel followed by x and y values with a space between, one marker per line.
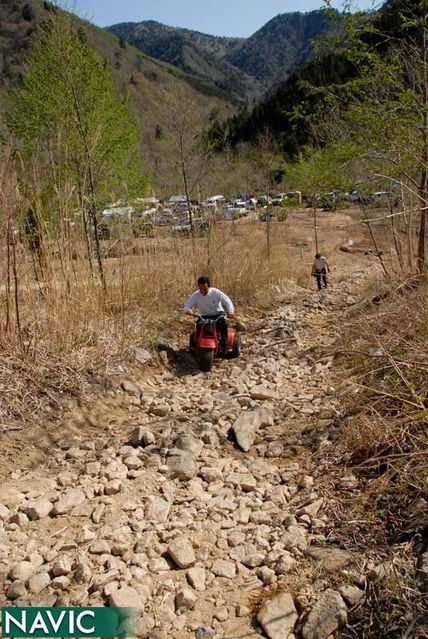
pixel 145 80
pixel 245 68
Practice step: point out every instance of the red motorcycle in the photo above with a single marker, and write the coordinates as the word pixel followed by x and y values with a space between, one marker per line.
pixel 205 343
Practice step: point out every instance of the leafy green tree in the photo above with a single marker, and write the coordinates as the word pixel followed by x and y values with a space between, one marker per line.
pixel 69 119
pixel 382 114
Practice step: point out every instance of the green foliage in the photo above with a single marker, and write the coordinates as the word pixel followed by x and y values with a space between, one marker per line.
pixel 238 68
pixel 290 112
pixel 321 170
pixel 66 111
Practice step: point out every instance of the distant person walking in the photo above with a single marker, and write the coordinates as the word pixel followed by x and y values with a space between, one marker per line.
pixel 320 268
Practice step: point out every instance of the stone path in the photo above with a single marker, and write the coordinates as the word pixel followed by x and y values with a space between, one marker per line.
pixel 196 500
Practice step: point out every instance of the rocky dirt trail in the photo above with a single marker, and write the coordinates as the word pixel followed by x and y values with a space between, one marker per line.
pixel 195 497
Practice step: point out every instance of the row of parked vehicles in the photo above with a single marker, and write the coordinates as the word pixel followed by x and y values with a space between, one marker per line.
pixel 147 213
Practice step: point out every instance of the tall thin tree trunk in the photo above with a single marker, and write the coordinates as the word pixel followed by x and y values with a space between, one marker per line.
pixel 423 186
pixel 397 243
pixel 375 244
pixel 185 184
pixel 316 230
pixel 16 291
pixel 8 276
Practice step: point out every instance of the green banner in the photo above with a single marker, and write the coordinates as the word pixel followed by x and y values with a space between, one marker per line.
pixel 66 622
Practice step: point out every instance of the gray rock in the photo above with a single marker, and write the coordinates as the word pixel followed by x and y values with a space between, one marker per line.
pixel 21 571
pixel 85 535
pixel 330 559
pixel 196 578
pixel 262 392
pixel 133 462
pixel 16 590
pixel 266 417
pixel 313 508
pixel 157 509
pixel 137 435
pixel 38 508
pixel 248 555
pixel 93 469
pixel 181 466
pixel 245 429
pixel 223 568
pixel 222 615
pixel 112 487
pixel 181 552
pixel 142 355
pixel 325 617
pixel 68 500
pixel 294 537
pixel 38 582
pixel 160 410
pixel 278 616
pixel 204 633
pixel 100 547
pixel 381 572
pixel 61 583
pixel 126 597
pixel 158 565
pixel 116 470
pixel 4 512
pixel 244 480
pixel 62 566
pixel 131 388
pixel 185 600
pixel 351 594
pixel 189 444
pixel 285 564
pixel 422 571
pixel 83 573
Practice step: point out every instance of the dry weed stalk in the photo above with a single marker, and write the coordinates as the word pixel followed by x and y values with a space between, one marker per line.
pixel 385 445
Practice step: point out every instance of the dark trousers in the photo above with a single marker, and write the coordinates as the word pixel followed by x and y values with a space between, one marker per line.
pixel 321 275
pixel 221 324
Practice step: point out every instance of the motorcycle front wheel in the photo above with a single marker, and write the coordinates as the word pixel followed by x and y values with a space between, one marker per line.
pixel 205 359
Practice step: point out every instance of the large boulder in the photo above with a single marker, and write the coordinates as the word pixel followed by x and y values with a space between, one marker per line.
pixel 245 429
pixel 278 616
pixel 327 615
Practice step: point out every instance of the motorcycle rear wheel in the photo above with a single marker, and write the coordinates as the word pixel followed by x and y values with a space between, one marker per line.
pixel 236 350
pixel 205 359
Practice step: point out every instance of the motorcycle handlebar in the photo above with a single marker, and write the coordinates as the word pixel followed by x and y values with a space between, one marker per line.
pixel 207 320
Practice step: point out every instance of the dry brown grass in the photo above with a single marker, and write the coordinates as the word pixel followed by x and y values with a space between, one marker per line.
pixel 59 330
pixel 384 443
pixel 388 395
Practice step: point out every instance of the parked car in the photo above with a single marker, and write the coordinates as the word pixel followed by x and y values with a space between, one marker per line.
pixel 279 199
pixel 200 226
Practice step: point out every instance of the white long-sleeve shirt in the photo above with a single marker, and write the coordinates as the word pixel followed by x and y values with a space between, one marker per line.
pixel 211 303
pixel 320 263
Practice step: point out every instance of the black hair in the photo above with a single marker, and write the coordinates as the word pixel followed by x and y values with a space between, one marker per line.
pixel 317 256
pixel 204 280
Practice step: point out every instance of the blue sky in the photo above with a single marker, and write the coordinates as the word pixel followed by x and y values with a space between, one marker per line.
pixel 219 17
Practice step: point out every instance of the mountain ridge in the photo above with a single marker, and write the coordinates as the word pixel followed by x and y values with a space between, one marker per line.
pixel 246 67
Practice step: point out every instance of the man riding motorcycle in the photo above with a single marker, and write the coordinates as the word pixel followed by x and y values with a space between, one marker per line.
pixel 209 302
